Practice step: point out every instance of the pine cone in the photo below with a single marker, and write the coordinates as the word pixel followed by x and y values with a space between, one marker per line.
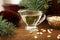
pixel 11 16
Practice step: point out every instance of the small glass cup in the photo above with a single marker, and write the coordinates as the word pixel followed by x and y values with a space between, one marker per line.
pixel 32 18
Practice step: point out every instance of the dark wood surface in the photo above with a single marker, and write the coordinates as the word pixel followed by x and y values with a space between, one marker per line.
pixel 22 34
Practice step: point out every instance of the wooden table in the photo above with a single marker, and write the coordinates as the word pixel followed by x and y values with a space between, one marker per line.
pixel 22 34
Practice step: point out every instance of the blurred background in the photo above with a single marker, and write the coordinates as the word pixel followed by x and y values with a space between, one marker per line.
pixel 54 6
pixel 8 2
pixel 13 5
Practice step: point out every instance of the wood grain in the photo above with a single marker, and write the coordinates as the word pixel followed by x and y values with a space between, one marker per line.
pixel 22 34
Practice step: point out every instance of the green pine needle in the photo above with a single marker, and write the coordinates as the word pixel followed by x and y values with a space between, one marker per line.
pixel 6 28
pixel 41 5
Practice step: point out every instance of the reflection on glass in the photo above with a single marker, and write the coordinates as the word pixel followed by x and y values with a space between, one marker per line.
pixel 31 18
